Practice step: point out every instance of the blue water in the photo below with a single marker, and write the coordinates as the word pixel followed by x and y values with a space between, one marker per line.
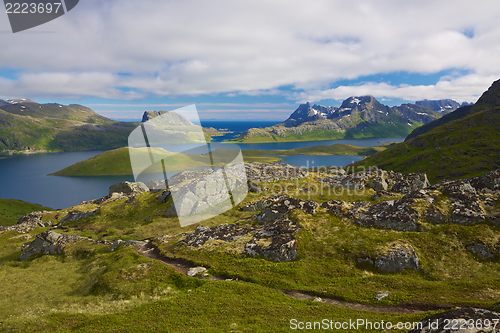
pixel 25 177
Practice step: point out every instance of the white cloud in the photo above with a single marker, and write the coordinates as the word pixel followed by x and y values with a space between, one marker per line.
pixel 253 47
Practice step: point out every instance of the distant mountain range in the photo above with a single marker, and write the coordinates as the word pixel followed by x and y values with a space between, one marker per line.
pixel 461 144
pixel 357 117
pixel 27 126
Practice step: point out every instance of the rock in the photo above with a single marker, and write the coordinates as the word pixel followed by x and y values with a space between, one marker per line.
pixel 224 232
pixel 49 242
pixel 466 208
pixel 126 243
pixel 275 241
pixel 155 185
pixel 271 172
pixel 481 251
pixel 410 182
pixel 318 299
pixel 399 257
pixel 253 187
pixel 164 196
pixel 193 271
pixel 128 188
pixel 490 181
pixel 77 215
pixel 392 214
pixel 381 295
pixel 433 215
pixel 378 183
pixel 28 223
pixel 348 209
pixel 443 322
pixel 283 205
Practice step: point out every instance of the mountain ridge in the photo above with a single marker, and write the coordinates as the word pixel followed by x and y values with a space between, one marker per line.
pixel 357 117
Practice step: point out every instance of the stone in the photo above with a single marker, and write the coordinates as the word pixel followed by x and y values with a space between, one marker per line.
pixel 254 187
pixel 282 206
pixel 392 214
pixel 466 207
pixel 381 295
pixel 378 183
pixel 490 181
pixel 28 223
pixel 164 196
pixel 49 242
pixel 347 209
pixel 442 322
pixel 77 215
pixel 410 182
pixel 128 188
pixel 224 232
pixel 155 185
pixel 399 257
pixel 433 215
pixel 271 172
pixel 193 271
pixel 481 251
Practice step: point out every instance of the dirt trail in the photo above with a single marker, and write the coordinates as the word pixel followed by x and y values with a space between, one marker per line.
pixel 183 266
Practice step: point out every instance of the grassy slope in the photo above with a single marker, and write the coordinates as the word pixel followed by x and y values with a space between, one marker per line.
pixel 92 289
pixel 117 162
pixel 460 148
pixel 11 210
pixel 363 130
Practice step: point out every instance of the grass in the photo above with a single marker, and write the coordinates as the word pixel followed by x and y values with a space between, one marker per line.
pixel 461 148
pixel 11 210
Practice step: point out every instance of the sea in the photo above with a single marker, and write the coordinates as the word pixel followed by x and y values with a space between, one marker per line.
pixel 25 177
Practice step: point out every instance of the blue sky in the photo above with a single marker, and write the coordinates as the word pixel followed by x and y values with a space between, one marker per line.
pixel 252 59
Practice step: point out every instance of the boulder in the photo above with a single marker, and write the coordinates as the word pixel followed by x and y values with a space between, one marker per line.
pixel 283 205
pixel 49 242
pixel 77 215
pixel 378 183
pixel 271 172
pixel 126 243
pixel 254 187
pixel 128 188
pixel 155 185
pixel 193 271
pixel 410 182
pixel 481 251
pixel 275 241
pixel 466 208
pixel 490 181
pixel 164 196
pixel 347 209
pixel 400 256
pixel 28 223
pixel 223 232
pixel 392 214
pixel 463 317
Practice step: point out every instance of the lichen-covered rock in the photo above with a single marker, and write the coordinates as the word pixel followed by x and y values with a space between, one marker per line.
pixel 490 181
pixel 275 241
pixel 283 206
pixel 343 208
pixel 400 256
pixel 253 187
pixel 156 185
pixel 466 208
pixel 271 172
pixel 164 196
pixel 49 242
pixel 28 223
pixel 392 214
pixel 77 215
pixel 410 182
pixel 128 187
pixel 481 251
pixel 460 320
pixel 224 232
pixel 378 183
pixel 126 243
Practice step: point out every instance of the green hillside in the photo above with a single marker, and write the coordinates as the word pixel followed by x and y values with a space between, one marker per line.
pixel 117 162
pixel 11 210
pixel 464 143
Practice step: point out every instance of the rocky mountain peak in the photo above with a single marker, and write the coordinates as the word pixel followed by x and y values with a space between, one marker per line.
pixel 490 98
pixel 355 101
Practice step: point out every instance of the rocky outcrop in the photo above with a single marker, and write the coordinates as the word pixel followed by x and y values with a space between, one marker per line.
pixel 274 241
pixel 28 223
pixel 224 232
pixel 398 257
pixel 279 206
pixel 272 172
pixel 77 215
pixel 410 182
pixel 347 209
pixel 128 188
pixel 126 243
pixel 49 242
pixel 155 185
pixel 460 320
pixel 392 214
pixel 164 196
pixel 481 251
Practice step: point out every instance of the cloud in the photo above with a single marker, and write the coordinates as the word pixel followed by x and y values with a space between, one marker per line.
pixel 252 47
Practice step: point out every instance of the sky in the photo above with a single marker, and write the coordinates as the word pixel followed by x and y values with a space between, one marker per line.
pixel 255 59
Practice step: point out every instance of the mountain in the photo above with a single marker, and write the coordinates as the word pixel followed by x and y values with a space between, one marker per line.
pixel 357 117
pixel 463 143
pixel 441 105
pixel 29 126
